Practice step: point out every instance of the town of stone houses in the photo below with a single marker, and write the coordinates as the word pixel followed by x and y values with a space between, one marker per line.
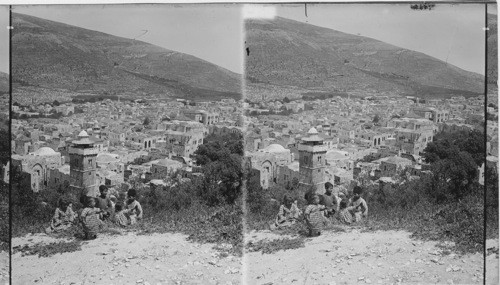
pixel 341 132
pixel 106 139
pixel 328 143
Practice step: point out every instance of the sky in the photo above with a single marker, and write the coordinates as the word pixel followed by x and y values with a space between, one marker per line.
pixel 452 33
pixel 210 32
pixel 4 39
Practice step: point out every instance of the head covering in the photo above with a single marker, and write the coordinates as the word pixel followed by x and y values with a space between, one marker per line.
pixel 358 190
pixel 287 198
pixel 132 192
pixel 343 204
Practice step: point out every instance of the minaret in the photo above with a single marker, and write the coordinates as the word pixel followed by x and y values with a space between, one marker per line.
pixel 312 164
pixel 83 165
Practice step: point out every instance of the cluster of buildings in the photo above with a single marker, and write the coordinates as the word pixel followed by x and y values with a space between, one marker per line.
pixel 112 142
pixel 338 140
pixel 341 140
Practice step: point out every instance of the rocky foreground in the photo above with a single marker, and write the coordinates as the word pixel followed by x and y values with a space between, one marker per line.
pixel 127 259
pixel 383 257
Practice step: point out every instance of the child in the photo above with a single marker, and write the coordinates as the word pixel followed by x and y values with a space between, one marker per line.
pixel 346 213
pixel 314 215
pixel 329 200
pixel 361 208
pixel 64 217
pixel 90 218
pixel 113 201
pixel 287 214
pixel 120 216
pixel 103 202
pixel 133 206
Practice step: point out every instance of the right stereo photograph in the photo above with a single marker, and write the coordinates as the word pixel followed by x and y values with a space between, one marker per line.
pixel 372 139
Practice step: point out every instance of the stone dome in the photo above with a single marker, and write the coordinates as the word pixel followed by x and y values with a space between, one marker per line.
pixel 106 158
pixel 45 151
pixel 274 148
pixel 83 134
pixel 312 131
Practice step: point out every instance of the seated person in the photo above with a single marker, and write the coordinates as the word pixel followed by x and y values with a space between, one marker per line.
pixel 314 216
pixel 346 214
pixel 103 202
pixel 63 218
pixel 133 206
pixel 329 200
pixel 359 204
pixel 90 218
pixel 120 217
pixel 288 213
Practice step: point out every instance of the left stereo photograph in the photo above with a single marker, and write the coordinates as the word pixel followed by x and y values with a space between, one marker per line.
pixel 4 145
pixel 127 144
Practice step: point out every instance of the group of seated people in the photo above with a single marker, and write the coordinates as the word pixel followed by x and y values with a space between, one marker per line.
pixel 321 209
pixel 95 212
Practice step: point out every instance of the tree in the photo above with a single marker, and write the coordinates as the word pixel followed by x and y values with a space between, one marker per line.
pixel 221 157
pixel 56 103
pixel 376 119
pixel 454 176
pixel 286 100
pixel 448 144
pixel 147 121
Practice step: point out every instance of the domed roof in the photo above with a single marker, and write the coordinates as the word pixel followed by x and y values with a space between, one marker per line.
pixel 274 148
pixel 312 131
pixel 45 151
pixel 83 134
pixel 333 155
pixel 106 158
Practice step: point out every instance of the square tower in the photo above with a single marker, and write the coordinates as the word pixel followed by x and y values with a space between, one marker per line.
pixel 312 163
pixel 83 165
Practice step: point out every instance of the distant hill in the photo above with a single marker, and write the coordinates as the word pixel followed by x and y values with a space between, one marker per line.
pixel 492 49
pixel 291 53
pixel 52 55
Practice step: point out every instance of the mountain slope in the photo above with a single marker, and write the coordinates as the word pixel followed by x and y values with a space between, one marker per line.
pixel 55 55
pixel 287 52
pixel 492 49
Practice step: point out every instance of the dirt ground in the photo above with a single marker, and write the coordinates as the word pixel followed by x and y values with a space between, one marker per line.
pixel 127 259
pixel 4 267
pixel 492 262
pixel 383 257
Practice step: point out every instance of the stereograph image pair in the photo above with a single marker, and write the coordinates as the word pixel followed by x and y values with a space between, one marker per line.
pixel 249 144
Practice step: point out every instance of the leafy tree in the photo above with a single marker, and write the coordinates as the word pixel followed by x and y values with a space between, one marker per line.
pixel 221 159
pixel 454 176
pixel 376 119
pixel 147 121
pixel 217 147
pixel 448 144
pixel 56 103
pixel 286 100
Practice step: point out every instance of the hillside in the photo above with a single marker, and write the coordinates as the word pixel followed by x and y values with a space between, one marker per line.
pixel 52 55
pixel 492 49
pixel 290 53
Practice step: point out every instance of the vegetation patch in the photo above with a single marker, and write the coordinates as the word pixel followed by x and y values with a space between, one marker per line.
pixel 275 245
pixel 47 250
